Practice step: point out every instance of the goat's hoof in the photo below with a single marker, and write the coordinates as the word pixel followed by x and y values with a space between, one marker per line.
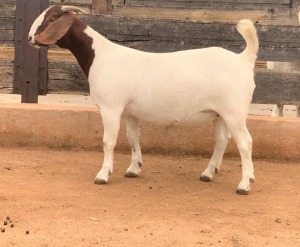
pixel 204 178
pixel 100 181
pixel 251 180
pixel 242 192
pixel 216 170
pixel 131 175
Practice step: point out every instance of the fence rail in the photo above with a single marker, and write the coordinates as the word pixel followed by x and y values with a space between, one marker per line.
pixel 164 26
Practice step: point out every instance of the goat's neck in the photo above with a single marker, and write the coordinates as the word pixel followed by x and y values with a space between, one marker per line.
pixel 80 44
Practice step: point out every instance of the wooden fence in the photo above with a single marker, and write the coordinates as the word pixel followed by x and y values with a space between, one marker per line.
pixel 170 25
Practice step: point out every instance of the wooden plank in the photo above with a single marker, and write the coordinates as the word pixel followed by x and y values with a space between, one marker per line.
pixel 118 2
pixel 6 24
pixel 85 2
pixel 86 5
pixel 265 17
pixel 7 36
pixel 101 7
pixel 271 86
pixel 277 87
pixel 278 43
pixel 8 52
pixel 6 75
pixel 7 9
pixel 7 14
pixel 66 77
pixel 66 55
pixel 215 4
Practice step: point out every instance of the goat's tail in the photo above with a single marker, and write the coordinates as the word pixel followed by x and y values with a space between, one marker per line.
pixel 246 28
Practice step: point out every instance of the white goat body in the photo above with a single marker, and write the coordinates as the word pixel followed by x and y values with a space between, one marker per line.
pixel 170 88
pixel 178 88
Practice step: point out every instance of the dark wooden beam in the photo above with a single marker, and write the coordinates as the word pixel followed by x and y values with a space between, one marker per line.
pixel 274 87
pixel 214 4
pixel 277 43
pixel 30 64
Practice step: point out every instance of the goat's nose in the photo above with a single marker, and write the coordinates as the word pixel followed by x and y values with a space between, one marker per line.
pixel 29 38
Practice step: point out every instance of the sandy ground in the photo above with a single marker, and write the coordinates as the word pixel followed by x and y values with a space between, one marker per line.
pixel 51 194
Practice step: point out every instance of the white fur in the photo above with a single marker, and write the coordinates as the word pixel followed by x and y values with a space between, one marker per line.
pixel 180 88
pixel 38 21
pixel 184 88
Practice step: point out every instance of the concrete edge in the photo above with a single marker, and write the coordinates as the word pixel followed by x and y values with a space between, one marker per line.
pixel 55 126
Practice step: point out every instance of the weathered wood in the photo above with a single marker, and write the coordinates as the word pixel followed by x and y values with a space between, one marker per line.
pixel 7 9
pixel 266 17
pixel 271 86
pixel 277 87
pixel 86 5
pixel 30 64
pixel 118 2
pixel 6 24
pixel 215 4
pixel 84 2
pixel 101 7
pixel 7 52
pixel 66 76
pixel 7 37
pixel 6 75
pixel 7 14
pixel 278 43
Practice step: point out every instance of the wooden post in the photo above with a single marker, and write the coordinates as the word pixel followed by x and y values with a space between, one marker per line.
pixel 31 70
pixel 102 7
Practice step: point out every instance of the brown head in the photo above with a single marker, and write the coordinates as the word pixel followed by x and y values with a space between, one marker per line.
pixel 51 25
pixel 59 25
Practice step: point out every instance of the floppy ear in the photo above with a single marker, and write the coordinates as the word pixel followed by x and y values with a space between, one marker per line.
pixel 55 31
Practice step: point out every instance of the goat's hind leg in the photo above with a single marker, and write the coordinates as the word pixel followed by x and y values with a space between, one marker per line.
pixel 133 135
pixel 240 134
pixel 222 135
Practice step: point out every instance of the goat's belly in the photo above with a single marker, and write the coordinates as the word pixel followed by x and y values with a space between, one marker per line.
pixel 194 119
pixel 197 119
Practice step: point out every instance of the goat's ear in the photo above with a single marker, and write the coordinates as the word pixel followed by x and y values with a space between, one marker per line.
pixel 55 31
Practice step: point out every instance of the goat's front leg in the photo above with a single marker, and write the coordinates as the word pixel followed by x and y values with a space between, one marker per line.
pixel 133 135
pixel 111 122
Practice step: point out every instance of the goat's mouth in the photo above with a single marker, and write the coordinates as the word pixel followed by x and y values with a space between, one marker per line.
pixel 34 43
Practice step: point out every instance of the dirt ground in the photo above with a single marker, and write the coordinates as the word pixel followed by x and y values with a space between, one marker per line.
pixel 51 194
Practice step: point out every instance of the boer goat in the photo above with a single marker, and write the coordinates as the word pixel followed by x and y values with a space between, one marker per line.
pixel 181 88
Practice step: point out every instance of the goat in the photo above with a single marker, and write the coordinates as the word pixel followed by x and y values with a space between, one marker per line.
pixel 182 88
